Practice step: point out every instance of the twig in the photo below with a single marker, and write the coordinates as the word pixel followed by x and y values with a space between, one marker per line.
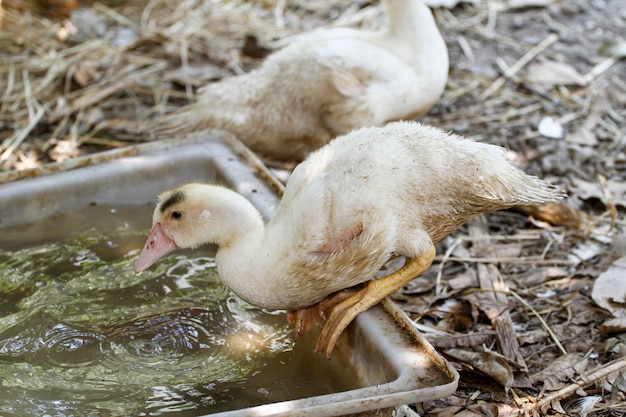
pixel 535 260
pixel 457 242
pixel 102 93
pixel 610 203
pixel 279 14
pixel 541 320
pixel 10 82
pixel 35 113
pixel 16 140
pixel 597 374
pixel 521 63
pixel 467 49
pixel 114 15
pixel 600 68
pixel 507 115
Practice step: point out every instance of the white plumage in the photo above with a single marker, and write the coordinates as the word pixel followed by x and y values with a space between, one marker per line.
pixel 346 210
pixel 326 83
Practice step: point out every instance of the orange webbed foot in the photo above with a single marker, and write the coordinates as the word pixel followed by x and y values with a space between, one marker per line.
pixel 305 318
pixel 342 313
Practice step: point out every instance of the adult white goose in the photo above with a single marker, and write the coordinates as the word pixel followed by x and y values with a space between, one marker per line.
pixel 348 208
pixel 326 83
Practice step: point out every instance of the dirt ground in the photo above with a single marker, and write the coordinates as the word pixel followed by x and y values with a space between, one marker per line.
pixel 530 313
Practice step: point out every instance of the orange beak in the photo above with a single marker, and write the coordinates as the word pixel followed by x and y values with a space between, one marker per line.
pixel 157 246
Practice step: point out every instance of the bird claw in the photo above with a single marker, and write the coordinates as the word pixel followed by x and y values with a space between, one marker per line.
pixel 341 315
pixel 305 318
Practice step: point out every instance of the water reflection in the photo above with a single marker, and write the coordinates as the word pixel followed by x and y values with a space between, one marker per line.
pixel 81 334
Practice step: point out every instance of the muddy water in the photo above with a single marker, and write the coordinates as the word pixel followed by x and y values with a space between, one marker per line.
pixel 81 334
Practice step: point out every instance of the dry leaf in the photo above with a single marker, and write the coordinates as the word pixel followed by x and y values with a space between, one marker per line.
pixel 457 316
pixel 466 279
pixel 586 190
pixel 615 345
pixel 85 74
pixel 618 192
pixel 559 214
pixel 585 251
pixel 496 250
pixel 553 73
pixel 538 275
pixel 617 325
pixel 584 135
pixel 561 371
pixel 462 340
pixel 532 337
pixel 197 76
pixel 609 289
pixel 486 362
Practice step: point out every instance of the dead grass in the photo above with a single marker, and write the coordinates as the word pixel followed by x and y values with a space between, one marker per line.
pixel 506 291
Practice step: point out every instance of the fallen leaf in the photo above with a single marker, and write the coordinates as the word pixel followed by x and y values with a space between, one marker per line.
pixel 585 251
pixel 196 76
pixel 538 275
pixel 561 371
pixel 616 345
pixel 466 279
pixel 617 325
pixel 456 316
pixel 462 340
pixel 584 135
pixel 486 362
pixel 547 72
pixel 532 337
pixel 586 190
pixel 609 289
pixel 618 192
pixel 496 250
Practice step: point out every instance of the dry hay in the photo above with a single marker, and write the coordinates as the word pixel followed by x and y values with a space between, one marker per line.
pixel 518 75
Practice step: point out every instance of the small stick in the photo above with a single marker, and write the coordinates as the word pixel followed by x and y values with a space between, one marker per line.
pixel 610 203
pixel 279 14
pixel 457 242
pixel 19 138
pixel 514 69
pixel 103 92
pixel 599 373
pixel 516 261
pixel 115 15
pixel 541 320
pixel 600 68
pixel 34 116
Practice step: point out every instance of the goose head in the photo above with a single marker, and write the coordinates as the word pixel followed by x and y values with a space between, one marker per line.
pixel 197 214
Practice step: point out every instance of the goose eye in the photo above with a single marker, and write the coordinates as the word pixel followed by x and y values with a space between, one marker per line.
pixel 177 215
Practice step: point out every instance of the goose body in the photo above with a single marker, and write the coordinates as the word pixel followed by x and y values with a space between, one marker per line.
pixel 324 84
pixel 346 210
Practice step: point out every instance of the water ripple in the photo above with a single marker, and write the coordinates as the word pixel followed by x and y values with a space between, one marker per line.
pixel 170 341
pixel 69 348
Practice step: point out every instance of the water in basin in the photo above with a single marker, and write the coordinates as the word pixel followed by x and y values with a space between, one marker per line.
pixel 81 334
